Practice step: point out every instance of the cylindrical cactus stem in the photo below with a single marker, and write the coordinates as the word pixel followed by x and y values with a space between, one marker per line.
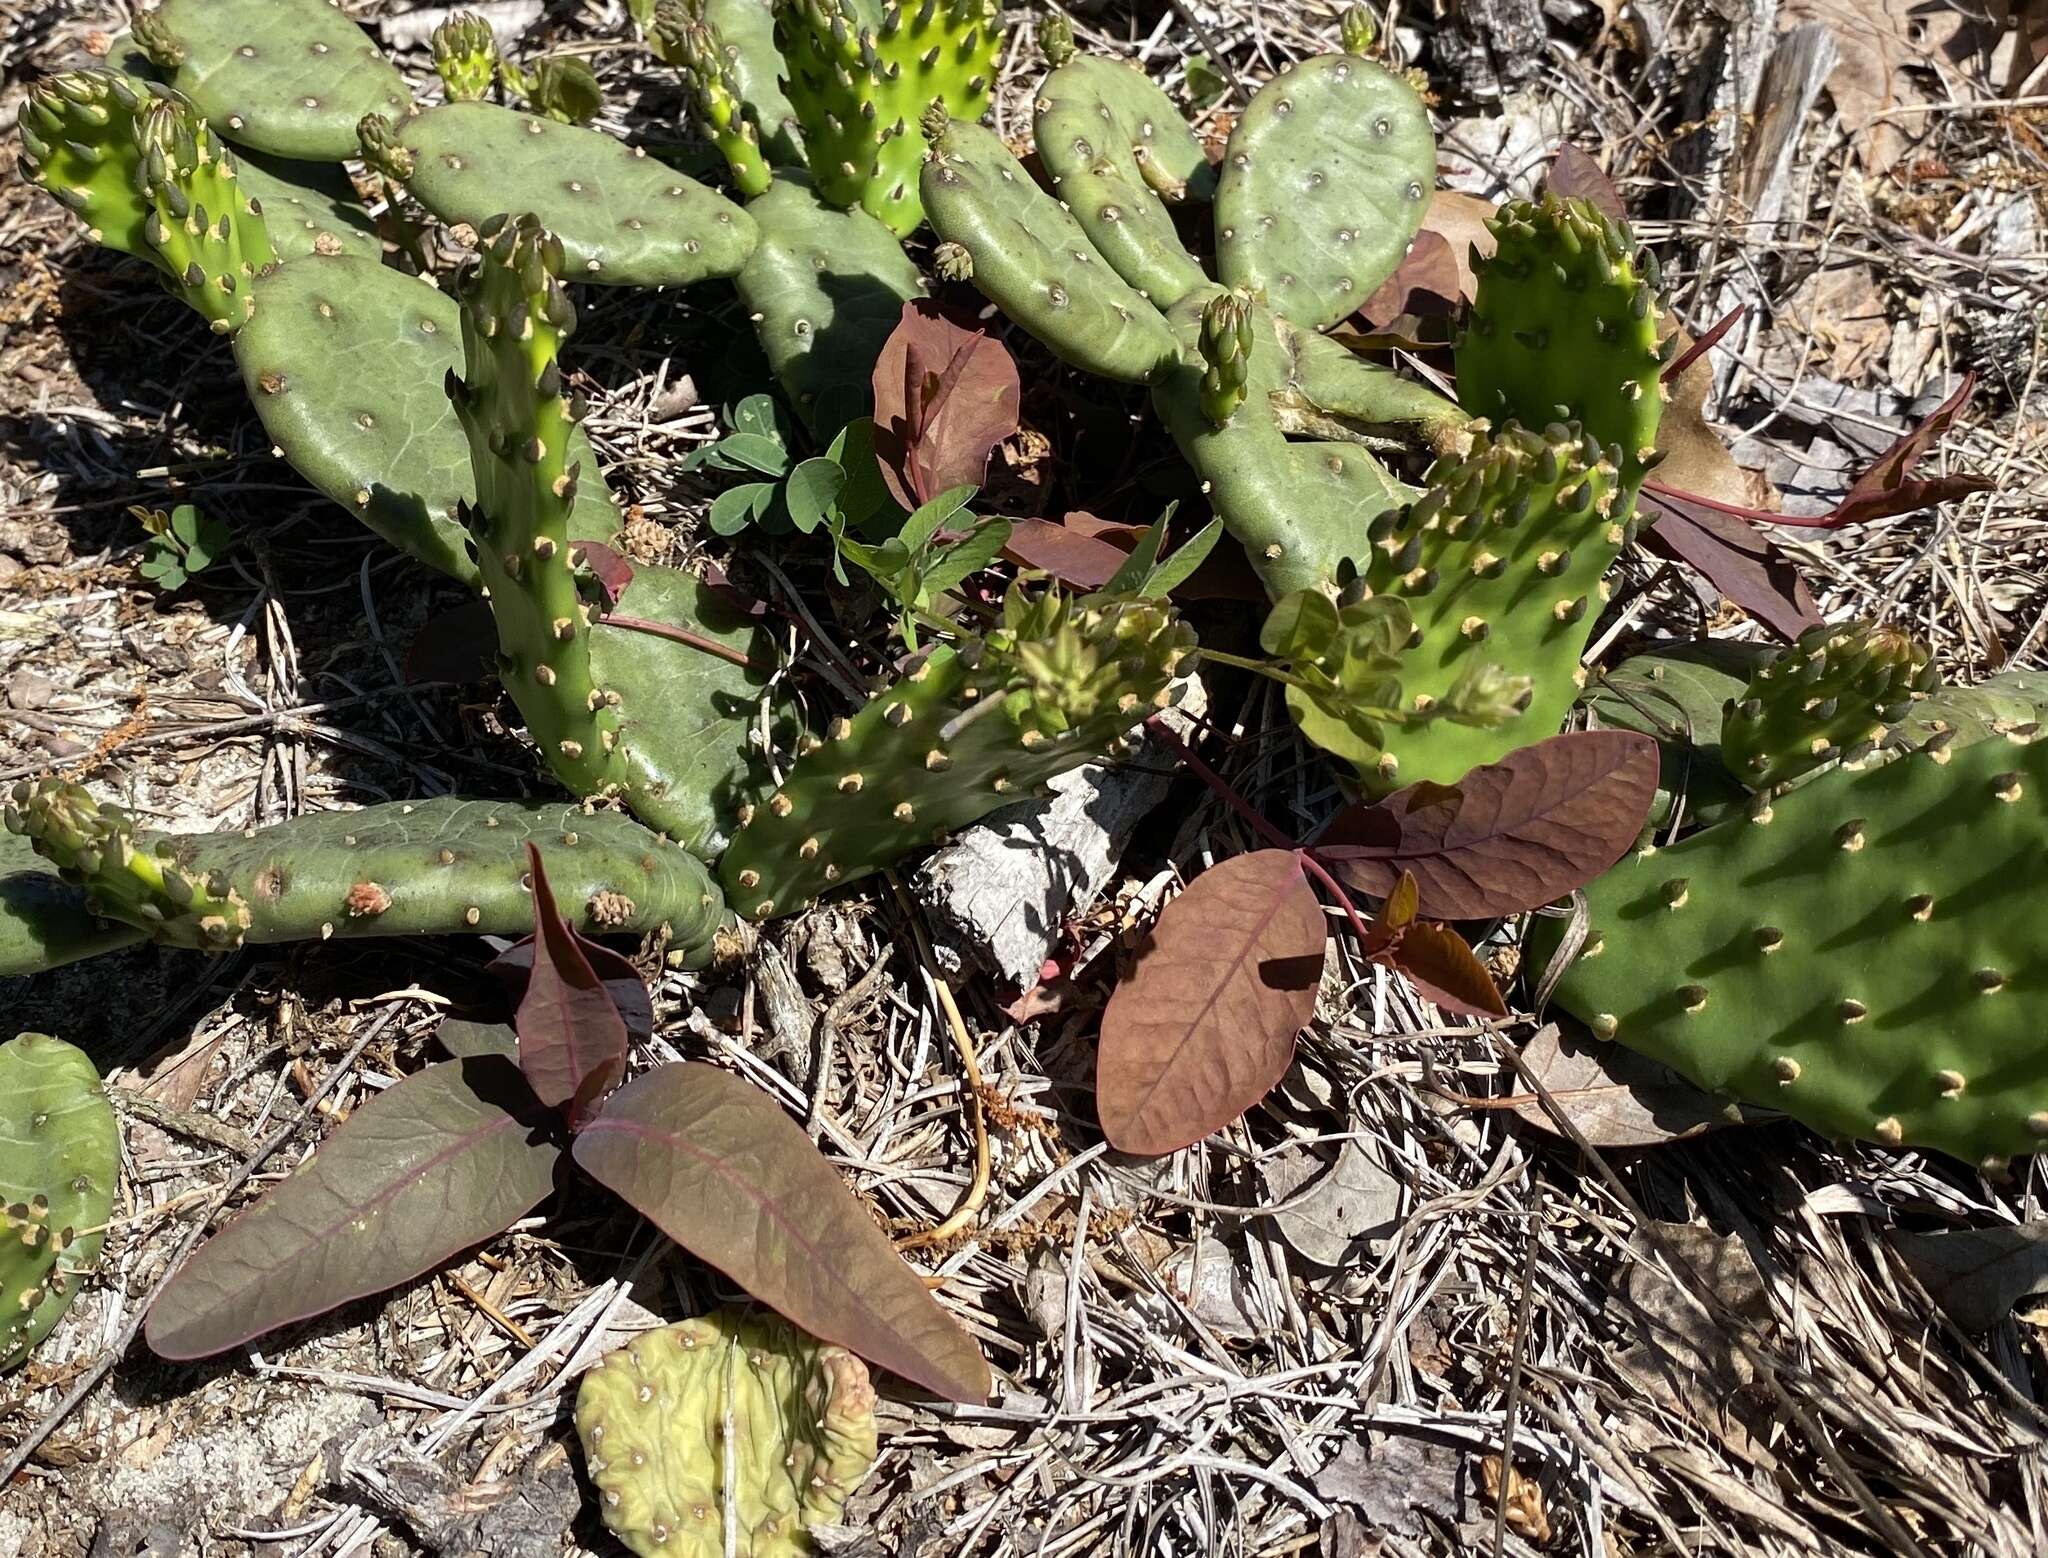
pixel 699 53
pixel 466 57
pixel 1226 353
pixel 1360 31
pixel 1837 693
pixel 510 401
pixel 208 235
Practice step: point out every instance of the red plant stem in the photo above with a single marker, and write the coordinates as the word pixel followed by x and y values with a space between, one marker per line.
pixel 697 641
pixel 1359 928
pixel 1825 521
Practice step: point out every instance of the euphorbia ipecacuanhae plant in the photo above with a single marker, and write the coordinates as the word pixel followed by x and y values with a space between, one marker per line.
pixel 457 1152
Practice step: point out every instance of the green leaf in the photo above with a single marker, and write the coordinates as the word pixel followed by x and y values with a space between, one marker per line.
pixel 866 495
pixel 1300 626
pixel 1173 573
pixel 969 555
pixel 929 518
pixel 758 453
pixel 185 523
pixel 759 414
pixel 738 507
pixel 1205 82
pixel 1144 558
pixel 813 489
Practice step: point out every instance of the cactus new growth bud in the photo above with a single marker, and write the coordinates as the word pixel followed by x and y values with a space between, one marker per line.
pixel 1360 31
pixel 1838 693
pixel 1226 354
pixel 696 50
pixel 60 1151
pixel 736 1423
pixel 466 57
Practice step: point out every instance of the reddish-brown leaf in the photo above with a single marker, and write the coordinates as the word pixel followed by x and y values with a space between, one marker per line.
pixel 612 571
pixel 572 1040
pixel 1575 174
pixel 1890 488
pixel 1206 1023
pixel 1615 1097
pixel 718 1167
pixel 1509 836
pixel 443 1160
pixel 1437 962
pixel 1077 560
pixel 1428 283
pixel 1739 561
pixel 944 397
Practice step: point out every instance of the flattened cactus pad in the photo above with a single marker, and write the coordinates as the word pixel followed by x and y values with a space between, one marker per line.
pixel 285 76
pixel 1864 952
pixel 1837 693
pixel 45 921
pixel 623 218
pixel 60 1151
pixel 734 1417
pixel 309 208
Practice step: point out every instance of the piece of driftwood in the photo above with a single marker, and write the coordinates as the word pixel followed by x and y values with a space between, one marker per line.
pixel 999 893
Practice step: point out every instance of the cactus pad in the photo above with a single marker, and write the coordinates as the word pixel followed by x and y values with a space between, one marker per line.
pixel 1119 153
pixel 716 104
pixel 406 868
pixel 964 732
pixel 623 219
pixel 60 1151
pixel 1863 952
pixel 1564 329
pixel 1998 705
pixel 309 208
pixel 347 364
pixel 734 1417
pixel 744 33
pixel 290 77
pixel 826 289
pixel 860 91
pixel 44 920
pixel 1324 185
pixel 78 142
pixel 208 236
pixel 1835 694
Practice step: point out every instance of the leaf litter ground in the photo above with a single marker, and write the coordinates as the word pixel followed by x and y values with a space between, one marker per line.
pixel 1742 1341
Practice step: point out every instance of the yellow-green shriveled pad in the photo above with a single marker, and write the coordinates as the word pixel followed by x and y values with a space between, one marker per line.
pixel 623 218
pixel 734 1415
pixel 1118 150
pixel 962 733
pixel 1837 693
pixel 1324 185
pixel 60 1151
pixel 1033 261
pixel 1865 952
pixel 405 868
pixel 826 289
pixel 1502 561
pixel 309 208
pixel 1300 508
pixel 347 363
pixel 290 77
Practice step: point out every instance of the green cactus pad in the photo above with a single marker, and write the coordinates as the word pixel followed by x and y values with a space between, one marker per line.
pixel 309 208
pixel 209 237
pixel 1998 705
pixel 745 34
pixel 1502 561
pixel 1300 509
pixel 1864 952
pixel 347 364
pixel 440 867
pixel 290 77
pixel 1118 153
pixel 466 57
pixel 623 218
pixel 60 1152
pixel 1329 380
pixel 716 105
pixel 44 920
pixel 1564 328
pixel 1324 185
pixel 1033 261
pixel 1836 694
pixel 861 86
pixel 78 142
pixel 734 1416
pixel 963 733
pixel 826 289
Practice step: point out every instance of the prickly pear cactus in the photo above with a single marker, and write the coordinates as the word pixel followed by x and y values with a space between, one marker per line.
pixel 743 32
pixel 1564 328
pixel 1834 695
pixel 45 921
pixel 290 77
pixel 1226 344
pixel 346 362
pixel 466 57
pixel 308 207
pixel 1863 952
pixel 733 1422
pixel 622 218
pixel 963 732
pixel 78 142
pixel 1999 705
pixel 445 866
pixel 60 1152
pixel 860 88
pixel 697 51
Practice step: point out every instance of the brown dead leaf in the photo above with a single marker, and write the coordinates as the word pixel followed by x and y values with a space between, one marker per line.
pixel 1686 1359
pixel 1614 1096
pixel 1978 1274
pixel 1890 52
pixel 1843 308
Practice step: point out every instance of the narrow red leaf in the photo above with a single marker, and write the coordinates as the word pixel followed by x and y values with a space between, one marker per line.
pixel 1508 837
pixel 1206 1023
pixel 612 571
pixel 1437 962
pixel 449 1157
pixel 1890 488
pixel 1704 344
pixel 572 1040
pixel 718 1167
pixel 1744 565
pixel 1576 175
pixel 944 397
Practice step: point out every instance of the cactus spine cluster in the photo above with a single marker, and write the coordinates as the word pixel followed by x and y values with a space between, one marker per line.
pixel 731 1433
pixel 60 1151
pixel 1835 694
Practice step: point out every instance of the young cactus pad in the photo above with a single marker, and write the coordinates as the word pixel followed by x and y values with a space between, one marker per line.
pixel 347 363
pixel 699 54
pixel 60 1151
pixel 1835 694
pixel 1864 952
pixel 744 34
pixel 736 1417
pixel 78 142
pixel 964 732
pixel 1564 329
pixel 290 77
pixel 1324 183
pixel 861 90
pixel 407 868
pixel 623 218
pixel 466 57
